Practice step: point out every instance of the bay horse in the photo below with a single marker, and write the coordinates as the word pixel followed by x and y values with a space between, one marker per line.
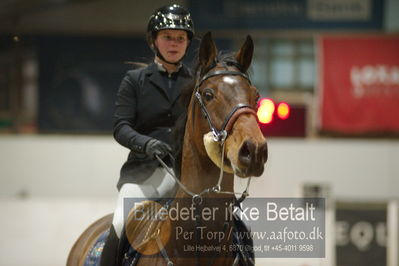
pixel 220 138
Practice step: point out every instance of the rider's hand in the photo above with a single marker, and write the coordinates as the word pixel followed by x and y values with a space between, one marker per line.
pixel 156 147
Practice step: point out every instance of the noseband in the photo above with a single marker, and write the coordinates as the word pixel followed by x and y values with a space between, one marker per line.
pixel 241 108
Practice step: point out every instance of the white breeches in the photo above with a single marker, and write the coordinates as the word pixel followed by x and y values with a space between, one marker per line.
pixel 159 185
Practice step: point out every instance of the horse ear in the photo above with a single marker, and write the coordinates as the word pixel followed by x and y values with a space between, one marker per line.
pixel 244 56
pixel 208 51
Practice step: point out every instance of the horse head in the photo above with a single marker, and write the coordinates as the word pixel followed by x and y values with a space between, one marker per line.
pixel 228 101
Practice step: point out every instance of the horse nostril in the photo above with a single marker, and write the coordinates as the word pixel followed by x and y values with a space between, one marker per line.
pixel 264 152
pixel 245 154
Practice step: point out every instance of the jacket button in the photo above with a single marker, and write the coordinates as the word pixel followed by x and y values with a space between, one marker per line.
pixel 169 114
pixel 169 130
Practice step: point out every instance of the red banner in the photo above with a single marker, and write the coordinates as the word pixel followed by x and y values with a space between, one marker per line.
pixel 359 84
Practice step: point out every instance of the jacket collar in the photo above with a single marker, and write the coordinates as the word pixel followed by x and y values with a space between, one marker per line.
pixel 154 76
pixel 163 69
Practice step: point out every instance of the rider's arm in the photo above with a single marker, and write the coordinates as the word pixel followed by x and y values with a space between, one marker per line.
pixel 125 116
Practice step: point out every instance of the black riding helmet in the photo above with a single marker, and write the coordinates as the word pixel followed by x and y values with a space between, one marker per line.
pixel 172 17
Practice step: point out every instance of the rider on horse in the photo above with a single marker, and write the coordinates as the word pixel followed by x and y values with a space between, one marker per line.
pixel 147 107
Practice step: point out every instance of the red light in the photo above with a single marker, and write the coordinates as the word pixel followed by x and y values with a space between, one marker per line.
pixel 266 111
pixel 283 110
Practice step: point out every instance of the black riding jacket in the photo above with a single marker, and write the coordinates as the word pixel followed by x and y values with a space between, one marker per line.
pixel 147 106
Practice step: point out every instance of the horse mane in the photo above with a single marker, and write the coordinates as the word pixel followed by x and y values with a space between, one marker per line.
pixel 225 59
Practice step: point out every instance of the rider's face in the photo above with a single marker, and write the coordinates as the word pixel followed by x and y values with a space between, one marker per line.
pixel 172 44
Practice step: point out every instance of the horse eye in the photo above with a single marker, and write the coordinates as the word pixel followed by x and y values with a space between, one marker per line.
pixel 208 94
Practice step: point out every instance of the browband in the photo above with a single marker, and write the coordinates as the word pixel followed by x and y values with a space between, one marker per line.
pixel 223 72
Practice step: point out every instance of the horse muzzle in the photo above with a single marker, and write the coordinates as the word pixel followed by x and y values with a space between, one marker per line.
pixel 251 159
pixel 246 147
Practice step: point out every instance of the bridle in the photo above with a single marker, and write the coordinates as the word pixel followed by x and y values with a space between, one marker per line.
pixel 241 108
pixel 219 136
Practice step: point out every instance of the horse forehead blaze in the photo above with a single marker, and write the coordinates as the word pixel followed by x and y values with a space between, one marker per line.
pixel 230 80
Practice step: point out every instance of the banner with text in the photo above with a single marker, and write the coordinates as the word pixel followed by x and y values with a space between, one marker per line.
pixel 287 14
pixel 359 83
